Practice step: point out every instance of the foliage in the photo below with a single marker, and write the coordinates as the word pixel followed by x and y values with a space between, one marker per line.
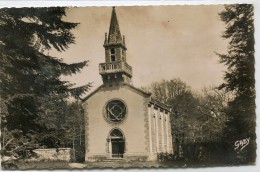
pixel 197 118
pixel 30 77
pixel 212 109
pixel 239 77
pixel 74 130
pixel 42 165
pixel 164 157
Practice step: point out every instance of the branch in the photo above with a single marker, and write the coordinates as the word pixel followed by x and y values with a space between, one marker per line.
pixel 8 143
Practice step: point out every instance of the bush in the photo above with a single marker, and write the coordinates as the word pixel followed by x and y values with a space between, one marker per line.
pixel 164 157
pixel 8 165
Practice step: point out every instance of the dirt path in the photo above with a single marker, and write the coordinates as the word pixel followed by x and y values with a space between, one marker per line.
pixel 77 165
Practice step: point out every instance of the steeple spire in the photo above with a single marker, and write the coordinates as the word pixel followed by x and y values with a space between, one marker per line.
pixel 114 35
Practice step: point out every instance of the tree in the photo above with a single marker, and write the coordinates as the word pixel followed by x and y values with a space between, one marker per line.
pixel 198 119
pixel 74 129
pixel 30 77
pixel 239 77
pixel 64 126
pixel 179 97
pixel 212 108
pixel 165 91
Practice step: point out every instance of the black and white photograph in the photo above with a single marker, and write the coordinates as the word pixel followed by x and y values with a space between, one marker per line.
pixel 128 86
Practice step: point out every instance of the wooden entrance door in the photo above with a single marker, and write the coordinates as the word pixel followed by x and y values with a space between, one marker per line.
pixel 118 146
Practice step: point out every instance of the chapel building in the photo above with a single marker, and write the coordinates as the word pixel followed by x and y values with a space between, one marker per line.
pixel 122 121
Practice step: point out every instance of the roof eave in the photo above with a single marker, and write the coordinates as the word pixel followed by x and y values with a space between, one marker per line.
pixel 159 104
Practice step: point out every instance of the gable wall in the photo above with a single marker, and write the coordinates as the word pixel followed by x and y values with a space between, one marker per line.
pixel 134 126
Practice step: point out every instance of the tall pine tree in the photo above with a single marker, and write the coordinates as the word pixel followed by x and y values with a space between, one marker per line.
pixel 239 78
pixel 29 76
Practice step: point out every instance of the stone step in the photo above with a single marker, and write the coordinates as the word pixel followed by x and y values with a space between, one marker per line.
pixel 114 160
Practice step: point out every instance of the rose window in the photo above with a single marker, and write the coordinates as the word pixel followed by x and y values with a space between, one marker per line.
pixel 115 111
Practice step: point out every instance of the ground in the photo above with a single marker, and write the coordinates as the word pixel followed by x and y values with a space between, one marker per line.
pixel 21 165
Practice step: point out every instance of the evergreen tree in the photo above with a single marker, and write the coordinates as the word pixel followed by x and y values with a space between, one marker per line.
pixel 30 77
pixel 239 78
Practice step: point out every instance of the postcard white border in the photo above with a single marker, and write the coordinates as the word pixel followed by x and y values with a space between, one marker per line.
pixel 48 3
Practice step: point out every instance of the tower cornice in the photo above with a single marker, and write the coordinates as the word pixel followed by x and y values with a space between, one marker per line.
pixel 115 45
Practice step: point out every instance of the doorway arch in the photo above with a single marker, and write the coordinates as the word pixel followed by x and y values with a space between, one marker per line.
pixel 116 143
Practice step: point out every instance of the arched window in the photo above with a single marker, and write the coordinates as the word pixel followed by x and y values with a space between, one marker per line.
pixel 113 55
pixel 116 133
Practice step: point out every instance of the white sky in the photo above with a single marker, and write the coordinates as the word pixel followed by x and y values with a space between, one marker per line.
pixel 164 42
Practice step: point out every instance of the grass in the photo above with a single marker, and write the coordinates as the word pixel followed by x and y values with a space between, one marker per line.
pixel 23 165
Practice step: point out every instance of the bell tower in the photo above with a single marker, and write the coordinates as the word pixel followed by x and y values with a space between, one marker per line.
pixel 115 70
